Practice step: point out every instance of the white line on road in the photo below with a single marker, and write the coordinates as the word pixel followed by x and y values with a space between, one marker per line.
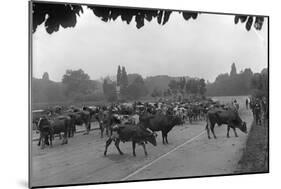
pixel 157 159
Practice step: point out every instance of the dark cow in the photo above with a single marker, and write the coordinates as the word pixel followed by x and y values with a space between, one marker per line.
pixel 159 122
pixel 72 117
pixel 69 116
pixel 49 127
pixel 135 133
pixel 92 110
pixel 106 120
pixel 82 117
pixel 229 117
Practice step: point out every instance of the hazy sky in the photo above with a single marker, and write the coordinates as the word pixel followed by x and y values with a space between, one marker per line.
pixel 203 48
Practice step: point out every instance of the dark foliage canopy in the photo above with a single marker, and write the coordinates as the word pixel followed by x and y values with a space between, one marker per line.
pixel 249 21
pixel 65 15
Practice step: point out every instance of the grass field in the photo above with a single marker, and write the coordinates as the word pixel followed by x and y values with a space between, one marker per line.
pixel 255 155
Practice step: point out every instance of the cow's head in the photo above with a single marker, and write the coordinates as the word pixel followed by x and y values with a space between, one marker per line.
pixel 152 138
pixel 243 127
pixel 43 122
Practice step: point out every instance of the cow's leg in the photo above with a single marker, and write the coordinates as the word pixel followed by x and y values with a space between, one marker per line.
pixel 108 142
pixel 163 138
pixel 101 130
pixel 208 128
pixel 69 132
pixel 89 128
pixel 228 128
pixel 257 118
pixel 65 133
pixel 65 136
pixel 63 140
pixel 208 132
pixel 86 128
pixel 51 140
pixel 73 129
pixel 43 141
pixel 134 148
pixel 39 141
pixel 106 130
pixel 234 130
pixel 40 138
pixel 166 138
pixel 117 141
pixel 213 131
pixel 47 140
pixel 144 148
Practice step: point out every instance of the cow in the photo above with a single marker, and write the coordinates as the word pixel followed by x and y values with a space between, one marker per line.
pixel 92 110
pixel 229 117
pixel 73 117
pixel 68 115
pixel 160 122
pixel 81 117
pixel 49 127
pixel 134 133
pixel 104 118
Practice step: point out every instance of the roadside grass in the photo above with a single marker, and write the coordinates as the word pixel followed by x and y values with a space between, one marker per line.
pixel 255 155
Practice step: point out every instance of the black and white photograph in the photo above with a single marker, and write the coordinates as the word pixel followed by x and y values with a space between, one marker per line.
pixel 126 94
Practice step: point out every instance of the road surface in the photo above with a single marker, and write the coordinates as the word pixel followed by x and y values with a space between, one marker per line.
pixel 189 153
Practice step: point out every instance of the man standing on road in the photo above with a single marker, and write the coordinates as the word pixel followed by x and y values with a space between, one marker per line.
pixel 247 103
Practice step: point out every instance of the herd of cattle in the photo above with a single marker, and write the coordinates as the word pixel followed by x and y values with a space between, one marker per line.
pixel 136 122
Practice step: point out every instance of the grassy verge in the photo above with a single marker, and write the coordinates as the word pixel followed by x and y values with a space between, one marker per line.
pixel 255 155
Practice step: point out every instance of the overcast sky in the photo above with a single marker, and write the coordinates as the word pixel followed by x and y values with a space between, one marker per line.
pixel 203 48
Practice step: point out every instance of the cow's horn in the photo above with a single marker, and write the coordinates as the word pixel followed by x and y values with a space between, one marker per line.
pixel 149 130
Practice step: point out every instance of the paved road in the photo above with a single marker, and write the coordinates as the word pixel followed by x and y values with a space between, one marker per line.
pixel 189 153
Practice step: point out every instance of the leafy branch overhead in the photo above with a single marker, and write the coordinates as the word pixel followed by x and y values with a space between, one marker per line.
pixel 249 21
pixel 65 15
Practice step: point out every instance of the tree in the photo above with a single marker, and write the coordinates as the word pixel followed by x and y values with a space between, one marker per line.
pixel 65 15
pixel 259 84
pixel 181 85
pixel 136 89
pixel 77 81
pixel 233 71
pixel 119 76
pixel 109 90
pixel 123 82
pixel 45 76
pixel 124 77
pixel 167 93
pixel 242 84
pixel 156 93
pixel 249 21
pixel 202 87
pixel 194 86
pixel 173 85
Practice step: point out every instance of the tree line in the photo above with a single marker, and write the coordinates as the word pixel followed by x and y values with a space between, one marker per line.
pixel 244 83
pixel 76 85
